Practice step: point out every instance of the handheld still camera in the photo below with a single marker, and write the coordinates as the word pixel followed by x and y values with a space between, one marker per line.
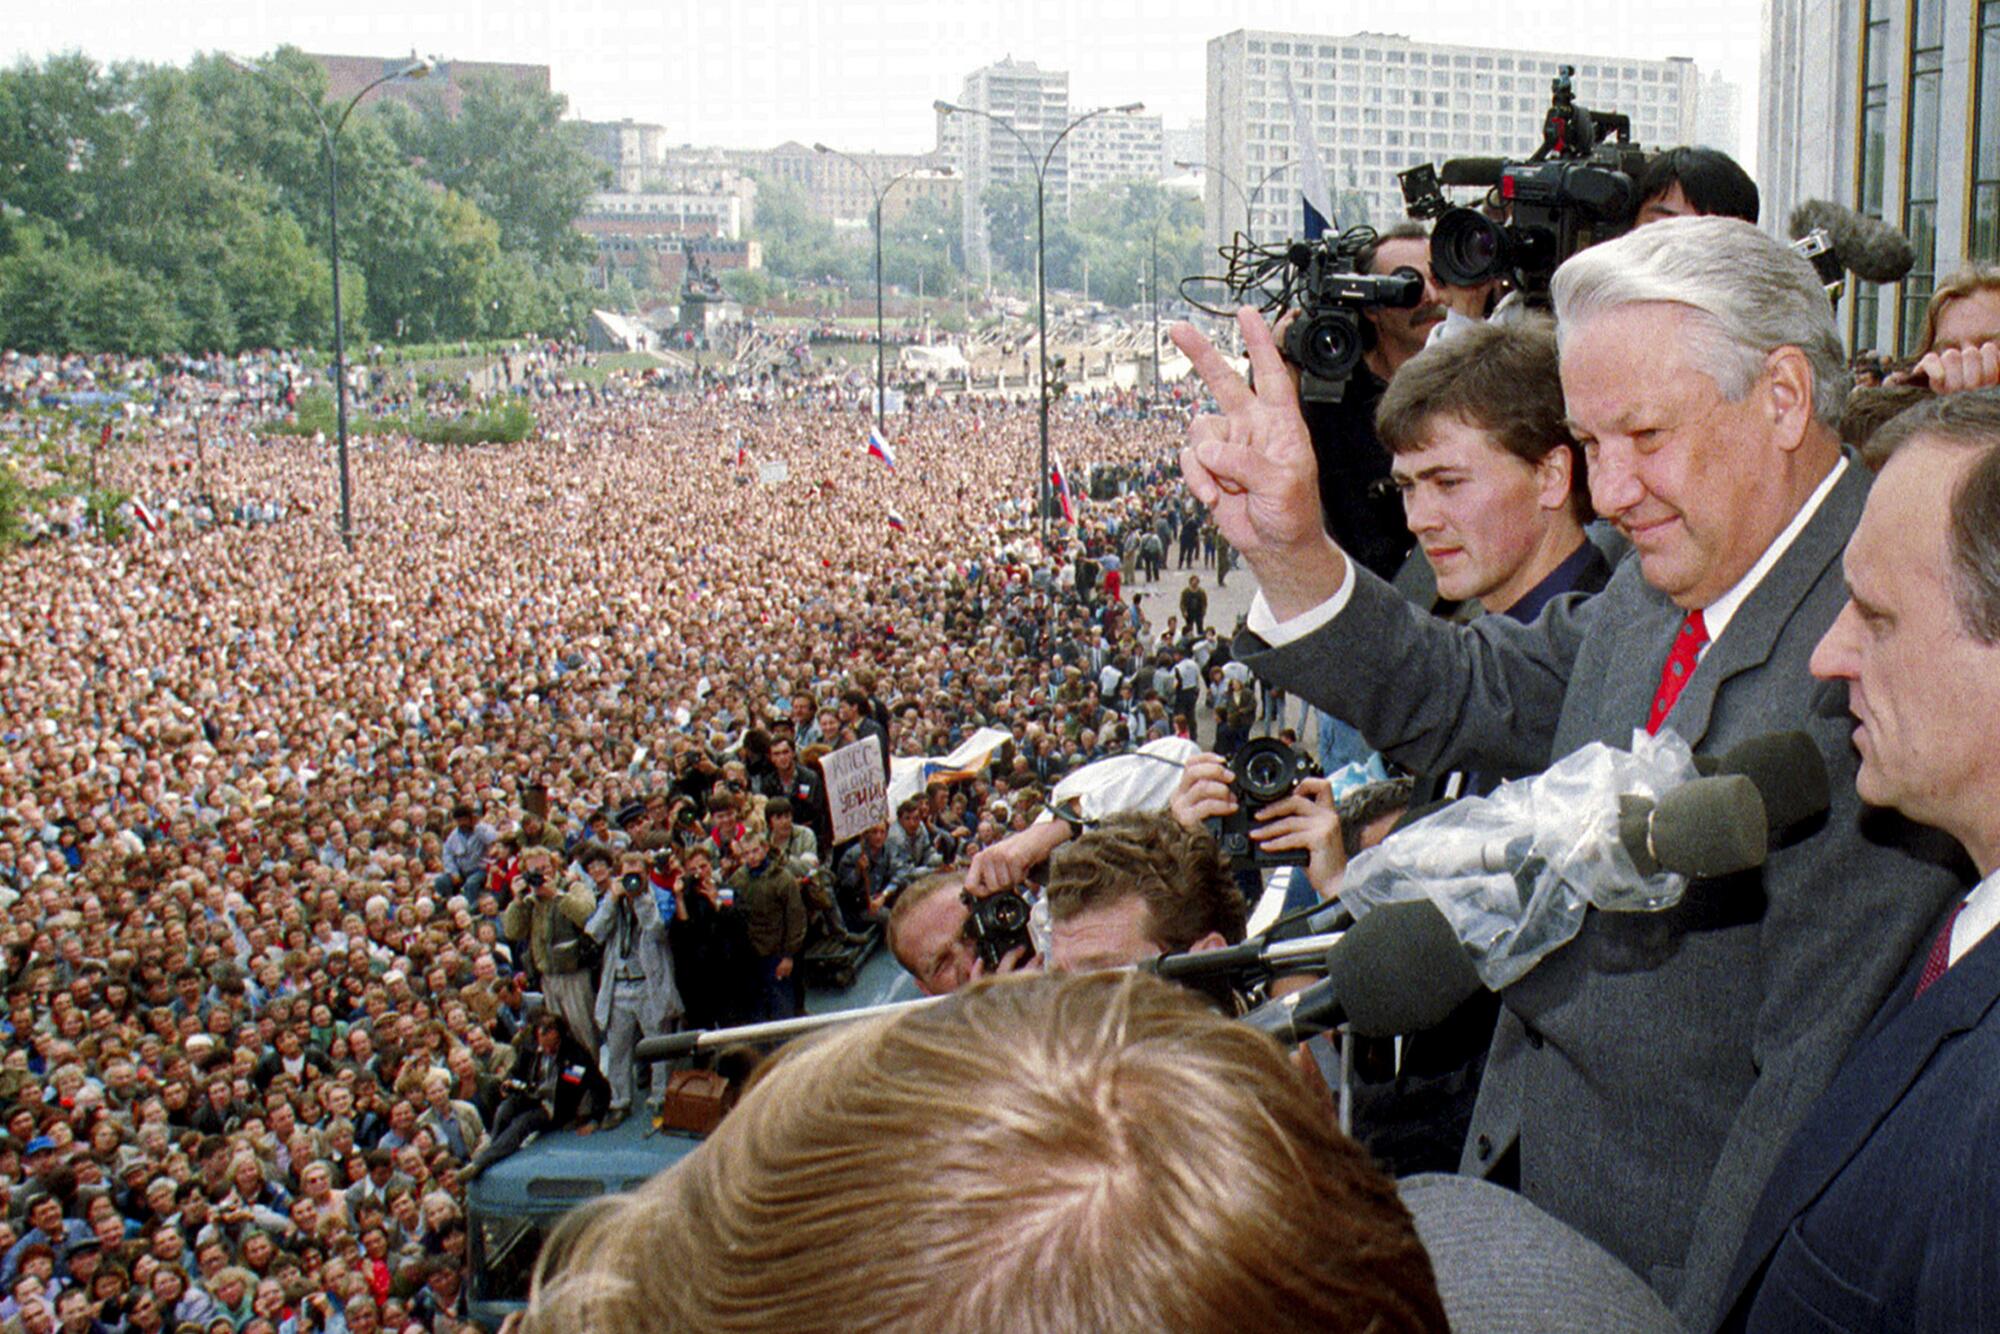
pixel 1267 770
pixel 997 924
pixel 1580 187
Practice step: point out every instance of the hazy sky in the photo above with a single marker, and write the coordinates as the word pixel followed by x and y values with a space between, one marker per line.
pixel 859 74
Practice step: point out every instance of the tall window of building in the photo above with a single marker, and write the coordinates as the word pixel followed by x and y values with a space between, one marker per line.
pixel 1985 224
pixel 1871 172
pixel 1920 154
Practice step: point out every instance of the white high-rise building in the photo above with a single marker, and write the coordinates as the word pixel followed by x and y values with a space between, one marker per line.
pixel 1186 144
pixel 1106 149
pixel 1718 121
pixel 1381 103
pixel 1035 102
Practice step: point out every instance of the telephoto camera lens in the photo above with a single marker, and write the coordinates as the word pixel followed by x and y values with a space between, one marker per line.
pixel 1467 249
pixel 1266 770
pixel 1326 344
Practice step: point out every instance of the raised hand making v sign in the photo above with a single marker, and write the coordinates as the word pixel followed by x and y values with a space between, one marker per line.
pixel 1253 467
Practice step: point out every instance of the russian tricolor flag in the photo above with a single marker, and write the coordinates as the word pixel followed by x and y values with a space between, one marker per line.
pixel 1060 484
pixel 879 448
pixel 895 521
pixel 1314 192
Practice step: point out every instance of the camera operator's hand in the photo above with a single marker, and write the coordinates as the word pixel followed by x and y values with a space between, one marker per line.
pixel 1007 863
pixel 1253 466
pixel 1306 822
pixel 1203 792
pixel 1470 302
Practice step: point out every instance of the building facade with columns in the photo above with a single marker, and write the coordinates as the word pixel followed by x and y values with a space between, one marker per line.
pixel 1892 108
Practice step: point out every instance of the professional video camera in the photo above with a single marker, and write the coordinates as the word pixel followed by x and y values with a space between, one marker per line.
pixel 1266 770
pixel 997 924
pixel 1324 342
pixel 1579 187
pixel 1319 279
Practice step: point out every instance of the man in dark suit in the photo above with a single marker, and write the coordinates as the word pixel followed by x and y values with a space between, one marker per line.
pixel 1643 1079
pixel 1883 1211
pixel 555 1085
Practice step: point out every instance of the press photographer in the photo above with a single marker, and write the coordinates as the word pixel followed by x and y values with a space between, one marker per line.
pixel 555 1084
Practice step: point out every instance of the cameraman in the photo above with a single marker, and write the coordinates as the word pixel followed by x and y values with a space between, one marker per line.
pixel 636 997
pixel 1685 182
pixel 1356 500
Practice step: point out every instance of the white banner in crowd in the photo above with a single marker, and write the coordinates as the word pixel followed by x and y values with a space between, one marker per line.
pixel 857 794
pixel 911 773
pixel 770 471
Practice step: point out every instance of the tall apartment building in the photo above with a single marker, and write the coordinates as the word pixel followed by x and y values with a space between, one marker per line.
pixel 1185 144
pixel 1106 149
pixel 1894 111
pixel 1380 103
pixel 1035 103
pixel 1718 120
pixel 632 150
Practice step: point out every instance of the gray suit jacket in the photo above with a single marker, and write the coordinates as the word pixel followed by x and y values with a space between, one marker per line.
pixel 1650 1072
pixel 662 1000
pixel 1505 1267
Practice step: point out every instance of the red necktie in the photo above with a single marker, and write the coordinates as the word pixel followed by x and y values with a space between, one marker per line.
pixel 1940 955
pixel 1680 666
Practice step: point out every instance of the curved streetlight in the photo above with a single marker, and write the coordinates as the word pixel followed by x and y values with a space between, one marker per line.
pixel 945 108
pixel 1165 213
pixel 1250 197
pixel 418 67
pixel 880 192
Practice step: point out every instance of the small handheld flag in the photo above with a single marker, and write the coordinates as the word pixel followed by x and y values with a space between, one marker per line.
pixel 879 448
pixel 1060 484
pixel 895 521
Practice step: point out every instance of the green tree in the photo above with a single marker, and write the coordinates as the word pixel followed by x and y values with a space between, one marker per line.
pixel 510 152
pixel 150 207
pixel 61 296
pixel 800 244
pixel 924 238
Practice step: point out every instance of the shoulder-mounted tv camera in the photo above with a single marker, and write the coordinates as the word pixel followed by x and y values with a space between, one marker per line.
pixel 1580 187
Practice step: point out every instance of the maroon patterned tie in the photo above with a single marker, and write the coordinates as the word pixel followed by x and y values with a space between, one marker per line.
pixel 1680 666
pixel 1940 955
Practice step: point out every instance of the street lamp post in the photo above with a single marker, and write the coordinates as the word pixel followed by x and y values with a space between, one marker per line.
pixel 416 69
pixel 880 193
pixel 1041 265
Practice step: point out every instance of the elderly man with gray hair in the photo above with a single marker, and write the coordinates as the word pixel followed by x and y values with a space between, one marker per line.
pixel 1643 1079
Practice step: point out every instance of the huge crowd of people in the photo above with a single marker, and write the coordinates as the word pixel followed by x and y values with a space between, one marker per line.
pixel 290 828
pixel 265 804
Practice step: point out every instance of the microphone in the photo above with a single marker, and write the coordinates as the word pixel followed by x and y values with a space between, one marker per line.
pixel 1368 979
pixel 1708 827
pixel 1262 955
pixel 1870 248
pixel 1471 170
pixel 1788 769
pixel 1705 827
